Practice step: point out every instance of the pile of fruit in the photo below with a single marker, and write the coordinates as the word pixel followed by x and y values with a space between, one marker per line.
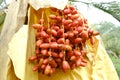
pixel 62 43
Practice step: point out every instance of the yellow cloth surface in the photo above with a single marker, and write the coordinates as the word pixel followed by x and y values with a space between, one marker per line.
pixel 99 66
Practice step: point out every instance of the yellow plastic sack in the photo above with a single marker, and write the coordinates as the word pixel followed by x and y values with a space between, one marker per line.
pixel 21 47
pixel 99 66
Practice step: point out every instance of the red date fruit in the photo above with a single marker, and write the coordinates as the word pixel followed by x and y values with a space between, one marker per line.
pixel 77 40
pixel 84 35
pixel 61 41
pixel 45 45
pixel 33 58
pixel 53 45
pixel 35 68
pixel 54 54
pixel 52 16
pixel 77 53
pixel 37 26
pixel 39 42
pixel 65 65
pixel 47 70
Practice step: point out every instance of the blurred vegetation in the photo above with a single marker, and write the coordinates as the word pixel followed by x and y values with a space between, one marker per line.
pixel 110 36
pixel 116 63
pixel 112 8
pixel 2 18
pixel 3 6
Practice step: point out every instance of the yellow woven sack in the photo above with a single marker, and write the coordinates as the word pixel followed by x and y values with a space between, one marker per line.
pixel 21 47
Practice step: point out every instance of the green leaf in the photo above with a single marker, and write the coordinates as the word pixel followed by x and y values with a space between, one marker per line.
pixel 112 8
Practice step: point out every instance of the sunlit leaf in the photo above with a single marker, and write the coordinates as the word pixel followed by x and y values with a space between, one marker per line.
pixel 112 8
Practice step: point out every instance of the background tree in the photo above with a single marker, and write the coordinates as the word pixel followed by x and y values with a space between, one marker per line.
pixel 112 8
pixel 110 36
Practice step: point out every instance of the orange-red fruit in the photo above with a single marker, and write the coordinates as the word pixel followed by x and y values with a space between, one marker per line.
pixel 70 25
pixel 75 23
pixel 43 66
pixel 53 45
pixel 35 68
pixel 53 63
pixel 73 66
pixel 78 62
pixel 38 35
pixel 67 27
pixel 75 16
pixel 52 16
pixel 90 32
pixel 71 7
pixel 70 34
pixel 77 40
pixel 41 21
pixel 60 12
pixel 83 64
pixel 75 32
pixel 79 29
pixel 44 52
pixel 46 40
pixel 83 52
pixel 37 51
pixel 54 32
pixel 55 28
pixel 67 41
pixel 33 58
pixel 77 53
pixel 53 39
pixel 84 60
pixel 61 54
pixel 58 18
pixel 45 61
pixel 95 33
pixel 85 21
pixel 60 32
pixel 84 35
pixel 73 58
pixel 53 9
pixel 45 45
pixel 65 22
pixel 60 40
pixel 80 22
pixel 74 12
pixel 38 43
pixel 67 11
pixel 65 35
pixel 70 53
pixel 54 54
pixel 52 70
pixel 58 60
pixel 92 40
pixel 48 31
pixel 68 47
pixel 44 34
pixel 61 46
pixel 37 26
pixel 47 70
pixel 65 65
pixel 41 61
